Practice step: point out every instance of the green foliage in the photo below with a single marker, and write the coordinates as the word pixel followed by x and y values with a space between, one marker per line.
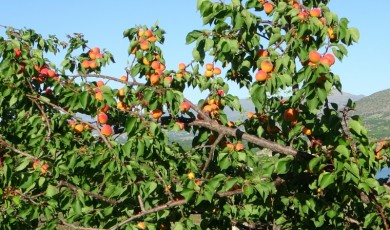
pixel 61 164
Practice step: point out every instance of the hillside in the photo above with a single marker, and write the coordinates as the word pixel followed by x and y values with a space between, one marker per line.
pixel 375 111
pixel 336 97
pixel 342 98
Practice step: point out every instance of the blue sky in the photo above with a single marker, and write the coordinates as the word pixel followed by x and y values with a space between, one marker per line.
pixel 102 23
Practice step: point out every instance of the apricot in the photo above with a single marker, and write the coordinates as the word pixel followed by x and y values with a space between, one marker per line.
pixel 51 73
pixel 303 15
pixel 268 7
pixel 262 53
pixel 102 118
pixel 100 83
pixel 261 75
pixel 230 146
pixel 121 105
pixel 85 64
pixel 208 73
pixel 168 79
pixel 217 71
pixel 156 113
pixel 96 50
pixel 152 39
pixel 182 66
pixel 99 96
pixel 93 65
pixel 209 66
pixel 124 78
pixel 315 12
pixel 44 168
pixel 121 92
pixel 306 131
pixel 185 107
pixel 239 146
pixel 104 109
pixel 266 66
pixel 330 57
pixel 79 128
pixel 314 56
pixel 154 79
pixel 106 130
pixel 250 115
pixel 17 52
pixel 155 65
pixel 144 45
pixel 145 61
pixel 180 124
pixel 290 115
pixel 191 175
pixel 92 55
pixel 331 33
pixel 148 33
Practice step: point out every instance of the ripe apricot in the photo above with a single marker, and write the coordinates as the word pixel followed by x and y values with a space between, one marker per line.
pixel 266 66
pixel 156 114
pixel 268 7
pixel 314 56
pixel 261 75
pixel 106 130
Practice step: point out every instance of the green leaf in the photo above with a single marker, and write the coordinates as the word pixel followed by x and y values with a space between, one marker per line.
pixel 368 219
pixel 282 165
pixel 325 179
pixel 343 150
pixel 84 98
pixel 51 190
pixel 187 193
pixel 314 162
pixel 274 38
pixel 193 36
pixel 131 125
pixel 23 165
pixel 354 34
pixel 248 190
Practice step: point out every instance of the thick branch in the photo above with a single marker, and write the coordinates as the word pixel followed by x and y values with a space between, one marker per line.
pixel 250 138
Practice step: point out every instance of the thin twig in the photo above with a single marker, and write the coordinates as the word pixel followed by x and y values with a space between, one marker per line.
pixel 78 227
pixel 171 204
pixel 141 203
pixel 8 146
pixel 211 154
pixel 92 194
pixel 74 116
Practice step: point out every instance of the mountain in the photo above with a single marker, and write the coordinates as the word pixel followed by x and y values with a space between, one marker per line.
pixel 342 98
pixel 375 112
pixel 336 97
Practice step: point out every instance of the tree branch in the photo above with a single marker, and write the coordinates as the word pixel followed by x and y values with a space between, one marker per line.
pixel 8 146
pixel 92 194
pixel 59 108
pixel 212 150
pixel 250 138
pixel 170 205
pixel 78 227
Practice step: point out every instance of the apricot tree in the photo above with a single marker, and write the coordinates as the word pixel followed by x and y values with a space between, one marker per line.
pixel 297 161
